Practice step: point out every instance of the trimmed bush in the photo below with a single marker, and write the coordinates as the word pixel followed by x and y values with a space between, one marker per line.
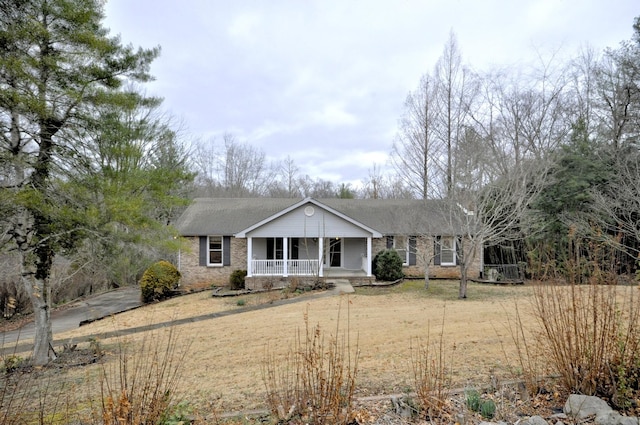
pixel 159 281
pixel 387 265
pixel 236 280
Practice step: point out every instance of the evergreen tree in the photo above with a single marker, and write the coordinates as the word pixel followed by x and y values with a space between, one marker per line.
pixel 59 69
pixel 580 168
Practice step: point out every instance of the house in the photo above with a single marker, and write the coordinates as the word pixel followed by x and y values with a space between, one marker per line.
pixel 276 240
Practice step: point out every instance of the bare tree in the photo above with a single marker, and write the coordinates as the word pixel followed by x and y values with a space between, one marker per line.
pixel 618 107
pixel 616 208
pixel 523 116
pixel 416 146
pixel 583 88
pixel 456 91
pixel 317 188
pixel 373 183
pixel 385 185
pixel 232 169
pixel 288 184
pixel 491 212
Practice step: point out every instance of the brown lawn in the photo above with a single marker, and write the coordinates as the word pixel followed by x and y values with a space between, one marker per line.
pixel 223 364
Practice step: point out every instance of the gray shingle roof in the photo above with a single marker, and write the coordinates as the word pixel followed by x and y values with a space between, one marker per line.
pixel 227 216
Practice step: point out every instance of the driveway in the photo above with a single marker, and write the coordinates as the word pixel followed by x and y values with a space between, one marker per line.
pixel 113 302
pixel 71 316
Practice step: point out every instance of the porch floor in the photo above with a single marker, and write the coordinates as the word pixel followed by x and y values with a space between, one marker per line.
pixel 335 272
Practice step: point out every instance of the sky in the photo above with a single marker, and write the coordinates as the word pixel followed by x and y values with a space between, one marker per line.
pixel 324 81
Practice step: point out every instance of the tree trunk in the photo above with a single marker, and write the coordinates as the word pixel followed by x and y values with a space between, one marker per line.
pixel 40 295
pixel 426 275
pixel 462 293
pixel 462 260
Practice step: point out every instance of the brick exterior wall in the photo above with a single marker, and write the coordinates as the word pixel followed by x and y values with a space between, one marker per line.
pixel 196 277
pixel 424 253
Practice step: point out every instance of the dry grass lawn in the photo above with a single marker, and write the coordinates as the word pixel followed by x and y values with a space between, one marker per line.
pixel 225 355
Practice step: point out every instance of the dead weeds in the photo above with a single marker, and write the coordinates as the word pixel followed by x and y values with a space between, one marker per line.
pixel 222 370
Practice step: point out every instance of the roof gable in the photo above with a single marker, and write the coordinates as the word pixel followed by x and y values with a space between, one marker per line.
pixel 309 213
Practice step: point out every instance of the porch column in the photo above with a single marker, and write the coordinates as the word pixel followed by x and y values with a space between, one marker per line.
pixel 285 257
pixel 249 256
pixel 320 257
pixel 369 256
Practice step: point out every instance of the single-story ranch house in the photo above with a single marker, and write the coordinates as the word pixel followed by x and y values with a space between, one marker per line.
pixel 276 240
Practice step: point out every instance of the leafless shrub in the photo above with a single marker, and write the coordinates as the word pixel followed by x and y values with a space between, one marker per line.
pixel 589 333
pixel 34 395
pixel 529 361
pixel 315 381
pixel 141 386
pixel 14 396
pixel 432 374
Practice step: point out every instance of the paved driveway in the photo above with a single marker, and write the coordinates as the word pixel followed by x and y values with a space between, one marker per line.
pixel 103 305
pixel 92 308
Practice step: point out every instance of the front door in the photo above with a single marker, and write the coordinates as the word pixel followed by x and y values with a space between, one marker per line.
pixel 335 252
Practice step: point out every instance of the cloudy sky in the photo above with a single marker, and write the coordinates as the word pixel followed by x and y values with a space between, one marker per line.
pixel 324 81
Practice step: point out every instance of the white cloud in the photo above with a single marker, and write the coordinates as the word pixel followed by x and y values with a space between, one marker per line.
pixel 243 27
pixel 333 115
pixel 324 81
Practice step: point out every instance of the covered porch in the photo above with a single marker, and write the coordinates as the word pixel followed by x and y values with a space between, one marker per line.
pixel 309 240
pixel 309 257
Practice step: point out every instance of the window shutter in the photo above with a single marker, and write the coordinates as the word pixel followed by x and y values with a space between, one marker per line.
pixel 412 250
pixel 458 242
pixel 436 251
pixel 204 249
pixel 389 242
pixel 226 251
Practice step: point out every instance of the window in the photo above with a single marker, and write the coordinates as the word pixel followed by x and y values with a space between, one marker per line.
pixel 401 245
pixel 215 251
pixel 447 251
pixel 274 249
pixel 294 248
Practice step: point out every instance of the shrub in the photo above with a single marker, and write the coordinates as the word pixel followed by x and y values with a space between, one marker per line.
pixel 159 281
pixel 590 333
pixel 488 409
pixel 475 403
pixel 387 265
pixel 432 374
pixel 315 381
pixel 140 387
pixel 473 400
pixel 12 363
pixel 236 280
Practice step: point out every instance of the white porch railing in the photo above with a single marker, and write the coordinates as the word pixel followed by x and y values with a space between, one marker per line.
pixel 276 267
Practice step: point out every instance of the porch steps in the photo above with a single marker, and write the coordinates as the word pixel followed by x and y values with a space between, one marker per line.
pixel 341 286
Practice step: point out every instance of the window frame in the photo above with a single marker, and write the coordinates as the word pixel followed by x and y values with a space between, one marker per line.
pixel 211 250
pixel 395 241
pixel 275 248
pixel 453 250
